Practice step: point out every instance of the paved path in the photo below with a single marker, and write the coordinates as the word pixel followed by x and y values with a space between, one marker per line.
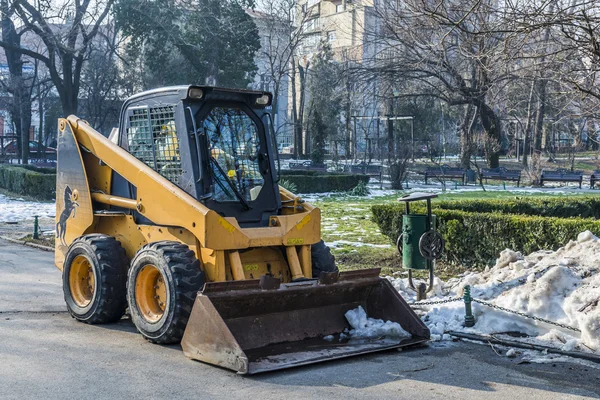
pixel 44 353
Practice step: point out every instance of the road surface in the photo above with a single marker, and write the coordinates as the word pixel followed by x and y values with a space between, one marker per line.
pixel 44 353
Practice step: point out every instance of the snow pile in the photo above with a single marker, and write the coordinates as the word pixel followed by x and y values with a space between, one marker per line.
pixel 365 327
pixel 561 286
pixel 15 210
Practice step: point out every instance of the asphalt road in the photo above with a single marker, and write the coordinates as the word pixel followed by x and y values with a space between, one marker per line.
pixel 44 353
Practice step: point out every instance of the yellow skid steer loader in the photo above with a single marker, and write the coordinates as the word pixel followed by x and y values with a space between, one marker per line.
pixel 178 216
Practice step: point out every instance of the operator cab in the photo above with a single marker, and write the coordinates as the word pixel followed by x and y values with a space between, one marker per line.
pixel 216 144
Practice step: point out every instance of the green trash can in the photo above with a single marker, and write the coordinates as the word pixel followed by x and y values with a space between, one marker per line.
pixel 413 227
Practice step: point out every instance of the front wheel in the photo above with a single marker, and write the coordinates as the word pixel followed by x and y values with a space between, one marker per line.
pixel 164 279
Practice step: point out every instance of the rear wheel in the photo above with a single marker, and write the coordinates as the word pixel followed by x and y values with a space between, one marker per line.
pixel 94 279
pixel 322 259
pixel 164 279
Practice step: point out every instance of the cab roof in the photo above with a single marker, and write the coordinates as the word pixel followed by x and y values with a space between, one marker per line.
pixel 186 92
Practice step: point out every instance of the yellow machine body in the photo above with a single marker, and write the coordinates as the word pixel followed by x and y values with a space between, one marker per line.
pixel 216 240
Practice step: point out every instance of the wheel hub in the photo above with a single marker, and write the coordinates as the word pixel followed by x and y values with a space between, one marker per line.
pixel 151 293
pixel 82 281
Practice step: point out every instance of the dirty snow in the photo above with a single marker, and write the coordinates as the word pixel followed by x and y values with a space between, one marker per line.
pixel 16 210
pixel 365 327
pixel 561 286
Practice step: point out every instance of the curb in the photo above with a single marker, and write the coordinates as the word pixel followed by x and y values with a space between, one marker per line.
pixel 34 245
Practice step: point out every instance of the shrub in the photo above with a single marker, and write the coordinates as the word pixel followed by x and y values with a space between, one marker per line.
pixel 476 238
pixel 313 183
pixel 361 189
pixel 31 181
pixel 286 184
pixel 564 207
pixel 286 172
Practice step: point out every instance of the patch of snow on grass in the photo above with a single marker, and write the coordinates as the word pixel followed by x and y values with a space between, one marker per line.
pixel 338 243
pixel 561 286
pixel 365 327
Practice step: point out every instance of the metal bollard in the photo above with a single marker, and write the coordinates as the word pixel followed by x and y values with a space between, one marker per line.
pixel 469 318
pixel 421 291
pixel 36 227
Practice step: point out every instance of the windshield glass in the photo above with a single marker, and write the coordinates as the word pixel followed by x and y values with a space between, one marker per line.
pixel 234 145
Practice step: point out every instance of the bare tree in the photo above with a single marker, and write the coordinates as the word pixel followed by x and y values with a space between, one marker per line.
pixel 65 46
pixel 448 50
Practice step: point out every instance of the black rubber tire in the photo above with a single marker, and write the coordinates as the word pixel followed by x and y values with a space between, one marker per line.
pixel 183 278
pixel 109 262
pixel 322 259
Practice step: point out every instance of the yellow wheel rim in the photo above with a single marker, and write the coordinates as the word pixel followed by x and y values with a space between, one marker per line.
pixel 82 281
pixel 151 293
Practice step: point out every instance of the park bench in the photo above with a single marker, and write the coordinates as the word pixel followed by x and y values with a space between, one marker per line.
pixel 307 166
pixel 374 171
pixel 501 174
pixel 561 175
pixel 445 172
pixel 595 177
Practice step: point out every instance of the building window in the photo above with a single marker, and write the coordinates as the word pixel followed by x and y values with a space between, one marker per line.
pixel 312 25
pixel 339 8
pixel 331 36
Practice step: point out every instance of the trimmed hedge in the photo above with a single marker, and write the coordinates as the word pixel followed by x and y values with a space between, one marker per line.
pixel 314 183
pixel 478 238
pixel 31 181
pixel 286 172
pixel 563 207
pixel 42 170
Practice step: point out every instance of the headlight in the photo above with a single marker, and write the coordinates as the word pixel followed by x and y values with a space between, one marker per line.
pixel 195 93
pixel 263 100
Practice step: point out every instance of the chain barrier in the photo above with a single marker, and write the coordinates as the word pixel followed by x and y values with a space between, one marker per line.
pixel 485 303
pixel 469 318
pixel 427 303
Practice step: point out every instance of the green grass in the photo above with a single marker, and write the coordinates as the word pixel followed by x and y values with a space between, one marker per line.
pixel 43 240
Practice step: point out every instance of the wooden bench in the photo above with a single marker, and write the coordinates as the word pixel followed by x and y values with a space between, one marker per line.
pixel 561 175
pixel 445 171
pixel 307 166
pixel 501 174
pixel 595 177
pixel 374 171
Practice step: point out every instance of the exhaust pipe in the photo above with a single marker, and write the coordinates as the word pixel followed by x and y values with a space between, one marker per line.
pixel 262 325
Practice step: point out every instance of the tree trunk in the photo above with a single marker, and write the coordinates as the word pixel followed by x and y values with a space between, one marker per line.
pixel 348 129
pixel 69 102
pixel 466 148
pixel 25 122
pixel 20 105
pixel 295 110
pixel 527 133
pixel 302 75
pixel 539 117
pixel 493 129
pixel 390 132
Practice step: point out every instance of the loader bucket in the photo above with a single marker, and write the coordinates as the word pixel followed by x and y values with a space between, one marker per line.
pixel 261 325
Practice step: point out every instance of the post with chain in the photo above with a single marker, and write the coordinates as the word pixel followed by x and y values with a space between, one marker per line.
pixel 469 318
pixel 421 291
pixel 36 227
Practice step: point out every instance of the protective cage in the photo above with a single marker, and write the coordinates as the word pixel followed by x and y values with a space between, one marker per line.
pixel 249 329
